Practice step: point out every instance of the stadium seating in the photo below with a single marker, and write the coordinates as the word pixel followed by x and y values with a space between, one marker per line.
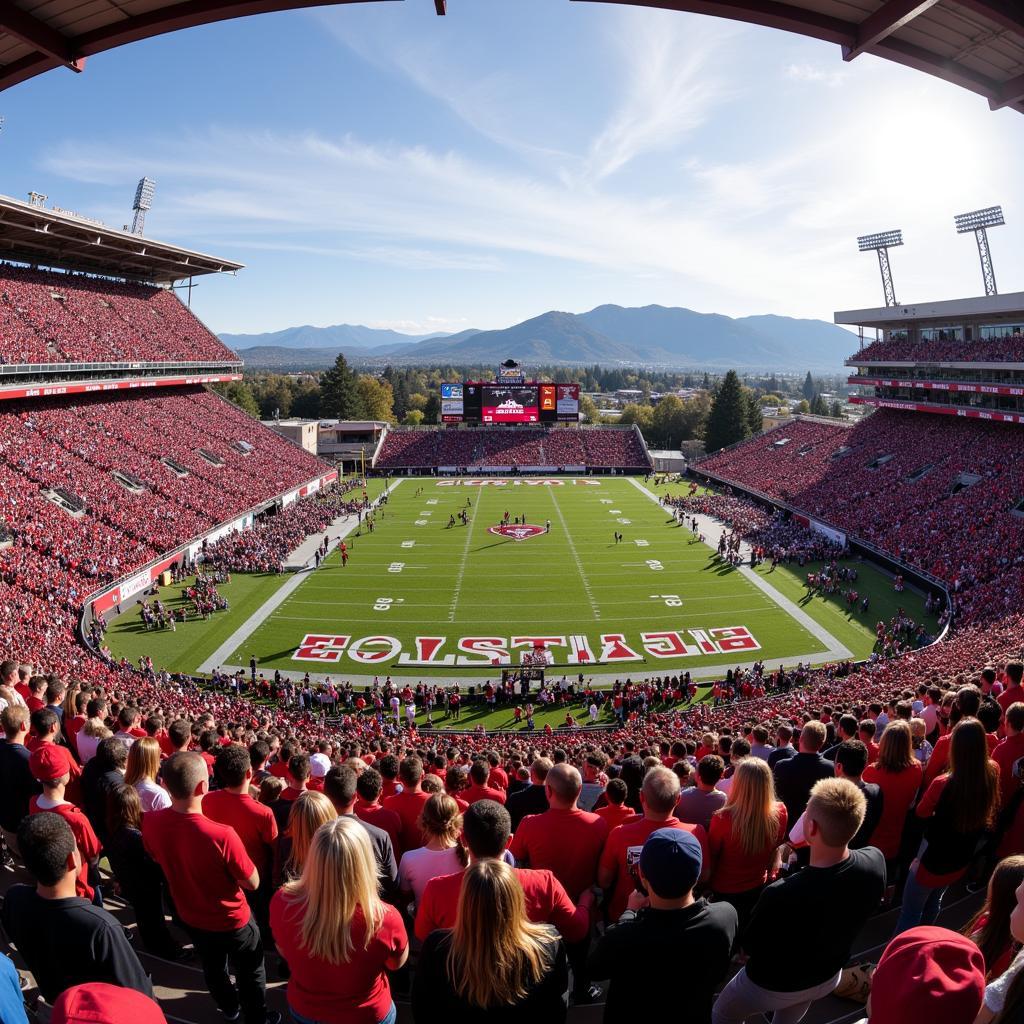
pixel 47 317
pixel 1006 349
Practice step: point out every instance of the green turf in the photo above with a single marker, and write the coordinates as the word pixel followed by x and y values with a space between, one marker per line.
pixel 467 582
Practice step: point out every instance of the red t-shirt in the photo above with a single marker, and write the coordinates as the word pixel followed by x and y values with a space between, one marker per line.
pixel 279 769
pixel 898 792
pixel 939 760
pixel 568 843
pixel 85 839
pixel 407 805
pixel 547 902
pixel 735 870
pixel 380 816
pixel 388 788
pixel 252 821
pixel 1011 695
pixel 629 839
pixel 474 792
pixel 203 861
pixel 615 814
pixel 34 703
pixel 1006 755
pixel 73 725
pixel 499 778
pixel 356 992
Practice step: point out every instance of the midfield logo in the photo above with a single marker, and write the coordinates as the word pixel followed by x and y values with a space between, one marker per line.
pixel 516 532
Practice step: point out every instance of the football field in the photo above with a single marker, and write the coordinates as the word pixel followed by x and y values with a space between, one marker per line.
pixel 422 599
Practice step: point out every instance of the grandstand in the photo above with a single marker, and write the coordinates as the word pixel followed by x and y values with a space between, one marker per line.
pixel 513 450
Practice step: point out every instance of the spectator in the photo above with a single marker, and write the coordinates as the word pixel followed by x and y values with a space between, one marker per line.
pixel 101 1003
pixel 340 785
pixel 533 799
pixel 141 771
pixel 698 803
pixel 783 746
pixel 786 977
pixel 64 939
pixel 796 776
pixel 369 808
pixel 1004 997
pixel 898 774
pixel 207 869
pixel 665 933
pixel 1010 752
pixel 478 788
pixel 990 927
pixel 102 774
pixel 615 811
pixel 17 784
pixel 658 797
pixel 495 964
pixel 927 974
pixel 336 935
pixel 443 852
pixel 309 812
pixel 957 808
pixel 408 804
pixel 485 827
pixel 850 761
pixel 745 838
pixel 12 1003
pixel 139 879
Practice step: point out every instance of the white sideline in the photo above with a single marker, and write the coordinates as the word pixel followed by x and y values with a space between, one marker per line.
pixel 713 529
pixel 258 617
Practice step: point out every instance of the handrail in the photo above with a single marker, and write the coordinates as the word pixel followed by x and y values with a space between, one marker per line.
pixel 24 368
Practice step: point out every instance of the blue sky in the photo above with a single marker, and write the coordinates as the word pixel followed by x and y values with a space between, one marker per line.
pixel 376 164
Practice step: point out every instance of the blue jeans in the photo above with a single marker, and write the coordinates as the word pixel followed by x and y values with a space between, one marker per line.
pixel 921 904
pixel 389 1018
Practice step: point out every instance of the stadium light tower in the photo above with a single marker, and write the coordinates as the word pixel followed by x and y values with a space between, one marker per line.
pixel 979 221
pixel 143 202
pixel 881 243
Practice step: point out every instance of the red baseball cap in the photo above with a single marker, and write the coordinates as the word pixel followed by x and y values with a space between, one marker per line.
pixel 928 974
pixel 100 1003
pixel 48 762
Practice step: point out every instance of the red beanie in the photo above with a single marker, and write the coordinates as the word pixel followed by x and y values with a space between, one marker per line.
pixel 928 974
pixel 100 1003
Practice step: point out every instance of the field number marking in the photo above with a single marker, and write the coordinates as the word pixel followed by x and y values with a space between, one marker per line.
pixel 396 566
pixel 408 543
pixel 672 600
pixel 421 522
pixel 641 543
pixel 654 564
pixel 385 604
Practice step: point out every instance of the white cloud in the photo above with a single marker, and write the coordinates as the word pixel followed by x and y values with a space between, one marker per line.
pixel 815 74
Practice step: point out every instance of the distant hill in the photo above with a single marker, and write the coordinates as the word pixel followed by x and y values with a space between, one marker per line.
pixel 609 335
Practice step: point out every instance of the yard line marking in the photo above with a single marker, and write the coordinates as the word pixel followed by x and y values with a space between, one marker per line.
pixel 714 530
pixel 579 565
pixel 457 589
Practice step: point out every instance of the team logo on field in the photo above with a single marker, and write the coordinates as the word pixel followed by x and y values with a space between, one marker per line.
pixel 524 532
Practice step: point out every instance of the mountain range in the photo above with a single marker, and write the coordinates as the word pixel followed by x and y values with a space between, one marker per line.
pixel 669 337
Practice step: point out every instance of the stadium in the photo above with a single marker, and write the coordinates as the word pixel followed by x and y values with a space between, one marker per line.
pixel 659 715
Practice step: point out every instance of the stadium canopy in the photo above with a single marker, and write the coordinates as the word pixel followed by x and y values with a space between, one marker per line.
pixel 976 44
pixel 58 238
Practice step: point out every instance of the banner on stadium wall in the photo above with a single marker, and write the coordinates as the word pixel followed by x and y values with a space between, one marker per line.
pixel 448 469
pixel 493 651
pixel 836 536
pixel 973 414
pixel 941 385
pixel 43 391
pixel 287 499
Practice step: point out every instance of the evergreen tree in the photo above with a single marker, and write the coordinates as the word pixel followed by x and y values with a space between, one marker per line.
pixel 808 389
pixel 729 419
pixel 818 406
pixel 836 410
pixel 432 410
pixel 755 415
pixel 339 392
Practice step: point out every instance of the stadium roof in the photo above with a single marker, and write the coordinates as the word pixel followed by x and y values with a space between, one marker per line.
pixel 977 44
pixel 56 238
pixel 999 307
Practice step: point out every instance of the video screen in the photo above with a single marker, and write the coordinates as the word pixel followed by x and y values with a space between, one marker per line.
pixel 509 405
pixel 569 402
pixel 452 407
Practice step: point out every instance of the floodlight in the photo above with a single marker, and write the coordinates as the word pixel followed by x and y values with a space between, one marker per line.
pixel 978 221
pixel 143 202
pixel 990 217
pixel 881 242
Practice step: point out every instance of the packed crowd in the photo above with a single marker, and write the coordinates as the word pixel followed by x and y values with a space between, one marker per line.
pixel 48 317
pixel 592 447
pixel 1008 349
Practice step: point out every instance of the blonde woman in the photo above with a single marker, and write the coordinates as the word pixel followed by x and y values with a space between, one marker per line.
pixel 745 836
pixel 495 965
pixel 442 853
pixel 311 810
pixel 141 771
pixel 336 935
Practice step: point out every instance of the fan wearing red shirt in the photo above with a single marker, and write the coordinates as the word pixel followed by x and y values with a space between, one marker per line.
pixel 208 872
pixel 967 705
pixel 1014 692
pixel 498 776
pixel 479 774
pixel 486 827
pixel 564 839
pixel 369 809
pixel 389 766
pixel 615 811
pixel 408 804
pixel 48 767
pixel 659 795
pixel 1009 752
pixel 335 934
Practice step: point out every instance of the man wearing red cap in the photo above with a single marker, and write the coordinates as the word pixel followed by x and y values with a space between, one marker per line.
pixel 49 767
pixel 100 1003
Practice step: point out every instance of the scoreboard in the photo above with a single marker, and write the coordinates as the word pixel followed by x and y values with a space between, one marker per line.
pixel 507 402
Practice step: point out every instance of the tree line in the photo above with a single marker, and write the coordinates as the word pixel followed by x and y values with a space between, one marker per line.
pixel 721 411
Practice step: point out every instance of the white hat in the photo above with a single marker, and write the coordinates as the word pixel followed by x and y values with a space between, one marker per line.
pixel 319 765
